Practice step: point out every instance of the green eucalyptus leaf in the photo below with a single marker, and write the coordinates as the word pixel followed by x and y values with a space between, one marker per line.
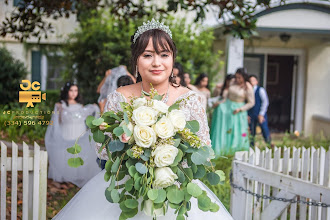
pixel 174 106
pixel 214 207
pixel 178 158
pixel 147 153
pixel 175 196
pixel 204 202
pixel 200 157
pixel 115 196
pixel 200 172
pixel 158 97
pixel 115 146
pixel 89 120
pixel 131 203
pixel 108 195
pixel 153 194
pixel 71 150
pixel 193 126
pixel 115 165
pixel 161 196
pixel 118 131
pixel 221 174
pixel 75 162
pixel 126 118
pixel 141 168
pixel 194 190
pixel 176 142
pixel 98 121
pixel 107 176
pixel 129 185
pixel 108 165
pixel 132 171
pixel 213 178
pixel 181 177
pixel 98 136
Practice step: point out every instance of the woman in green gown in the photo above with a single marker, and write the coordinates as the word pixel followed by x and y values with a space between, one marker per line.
pixel 229 130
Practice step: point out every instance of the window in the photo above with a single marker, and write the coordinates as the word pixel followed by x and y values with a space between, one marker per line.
pixel 54 68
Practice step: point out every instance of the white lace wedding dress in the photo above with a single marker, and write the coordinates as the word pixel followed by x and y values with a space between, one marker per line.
pixel 62 134
pixel 90 202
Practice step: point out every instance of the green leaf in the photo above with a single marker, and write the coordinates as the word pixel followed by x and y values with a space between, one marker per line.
pixel 174 106
pixel 176 142
pixel 200 157
pixel 181 177
pixel 137 184
pixel 118 131
pixel 115 196
pixel 178 158
pixel 108 165
pixel 158 97
pixel 107 176
pixel 144 157
pixel 131 203
pixel 98 136
pixel 112 183
pixel 108 194
pixel 75 162
pixel 147 153
pixel 123 207
pixel 115 146
pixel 129 185
pixel 161 196
pixel 180 217
pixel 115 165
pixel 194 190
pixel 175 196
pixel 204 202
pixel 214 207
pixel 98 122
pixel 141 168
pixel 213 178
pixel 200 172
pixel 132 170
pixel 89 120
pixel 153 194
pixel 221 174
pixel 126 118
pixel 71 150
pixel 127 131
pixel 189 173
pixel 113 115
pixel 193 126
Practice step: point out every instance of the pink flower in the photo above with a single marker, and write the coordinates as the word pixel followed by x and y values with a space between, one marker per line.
pixel 244 135
pixel 124 138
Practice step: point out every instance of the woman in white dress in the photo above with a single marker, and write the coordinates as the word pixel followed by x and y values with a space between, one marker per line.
pixel 67 126
pixel 153 55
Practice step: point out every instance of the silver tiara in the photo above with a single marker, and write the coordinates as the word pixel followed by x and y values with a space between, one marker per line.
pixel 149 26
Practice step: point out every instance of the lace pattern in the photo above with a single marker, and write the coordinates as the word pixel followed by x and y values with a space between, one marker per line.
pixel 191 106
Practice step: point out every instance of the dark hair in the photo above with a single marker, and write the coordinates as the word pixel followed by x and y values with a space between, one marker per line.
pixel 243 72
pixel 65 93
pixel 225 81
pixel 199 79
pixel 160 41
pixel 180 74
pixel 253 75
pixel 124 81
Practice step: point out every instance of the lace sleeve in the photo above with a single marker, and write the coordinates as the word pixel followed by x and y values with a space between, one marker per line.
pixel 112 104
pixel 197 112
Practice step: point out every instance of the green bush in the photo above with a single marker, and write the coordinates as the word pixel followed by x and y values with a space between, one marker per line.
pixel 12 71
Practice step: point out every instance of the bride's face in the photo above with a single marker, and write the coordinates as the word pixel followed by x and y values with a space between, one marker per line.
pixel 73 92
pixel 155 68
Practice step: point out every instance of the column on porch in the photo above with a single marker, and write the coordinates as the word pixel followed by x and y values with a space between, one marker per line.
pixel 234 54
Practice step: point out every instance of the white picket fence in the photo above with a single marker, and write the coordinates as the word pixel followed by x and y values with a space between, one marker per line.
pixel 34 167
pixel 295 173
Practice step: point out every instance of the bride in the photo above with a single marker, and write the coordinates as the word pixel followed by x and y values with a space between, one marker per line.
pixel 153 55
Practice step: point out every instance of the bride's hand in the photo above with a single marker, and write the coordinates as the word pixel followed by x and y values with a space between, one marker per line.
pixel 237 111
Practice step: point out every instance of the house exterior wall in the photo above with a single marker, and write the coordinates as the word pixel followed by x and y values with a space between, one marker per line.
pixel 317 89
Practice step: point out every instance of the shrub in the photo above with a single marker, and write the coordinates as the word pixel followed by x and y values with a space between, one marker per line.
pixel 12 71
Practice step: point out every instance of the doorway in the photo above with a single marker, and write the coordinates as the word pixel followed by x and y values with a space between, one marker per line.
pixel 279 88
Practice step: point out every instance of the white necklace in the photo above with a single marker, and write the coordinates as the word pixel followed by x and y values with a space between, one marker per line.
pixel 166 96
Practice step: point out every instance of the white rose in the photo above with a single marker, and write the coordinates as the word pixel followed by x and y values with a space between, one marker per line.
pixel 160 106
pixel 164 128
pixel 139 102
pixel 148 209
pixel 144 116
pixel 164 155
pixel 144 136
pixel 164 177
pixel 124 138
pixel 178 119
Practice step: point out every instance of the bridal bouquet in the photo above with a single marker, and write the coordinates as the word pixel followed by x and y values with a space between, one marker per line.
pixel 154 154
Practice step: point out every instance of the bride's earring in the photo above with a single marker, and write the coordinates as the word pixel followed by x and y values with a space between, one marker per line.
pixel 172 74
pixel 136 72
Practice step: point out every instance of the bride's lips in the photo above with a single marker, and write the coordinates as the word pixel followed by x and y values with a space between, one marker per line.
pixel 156 72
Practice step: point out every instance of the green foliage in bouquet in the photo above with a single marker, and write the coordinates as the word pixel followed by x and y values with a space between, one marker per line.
pixel 154 156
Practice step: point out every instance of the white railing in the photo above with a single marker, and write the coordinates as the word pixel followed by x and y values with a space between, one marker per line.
pixel 295 173
pixel 34 167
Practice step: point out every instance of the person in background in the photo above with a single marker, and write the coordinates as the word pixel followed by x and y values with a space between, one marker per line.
pixel 215 101
pixel 229 130
pixel 187 80
pixel 122 81
pixel 178 74
pixel 202 84
pixel 257 115
pixel 66 127
pixel 109 83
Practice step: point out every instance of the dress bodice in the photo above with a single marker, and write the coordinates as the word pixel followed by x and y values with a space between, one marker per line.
pixel 237 93
pixel 191 106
